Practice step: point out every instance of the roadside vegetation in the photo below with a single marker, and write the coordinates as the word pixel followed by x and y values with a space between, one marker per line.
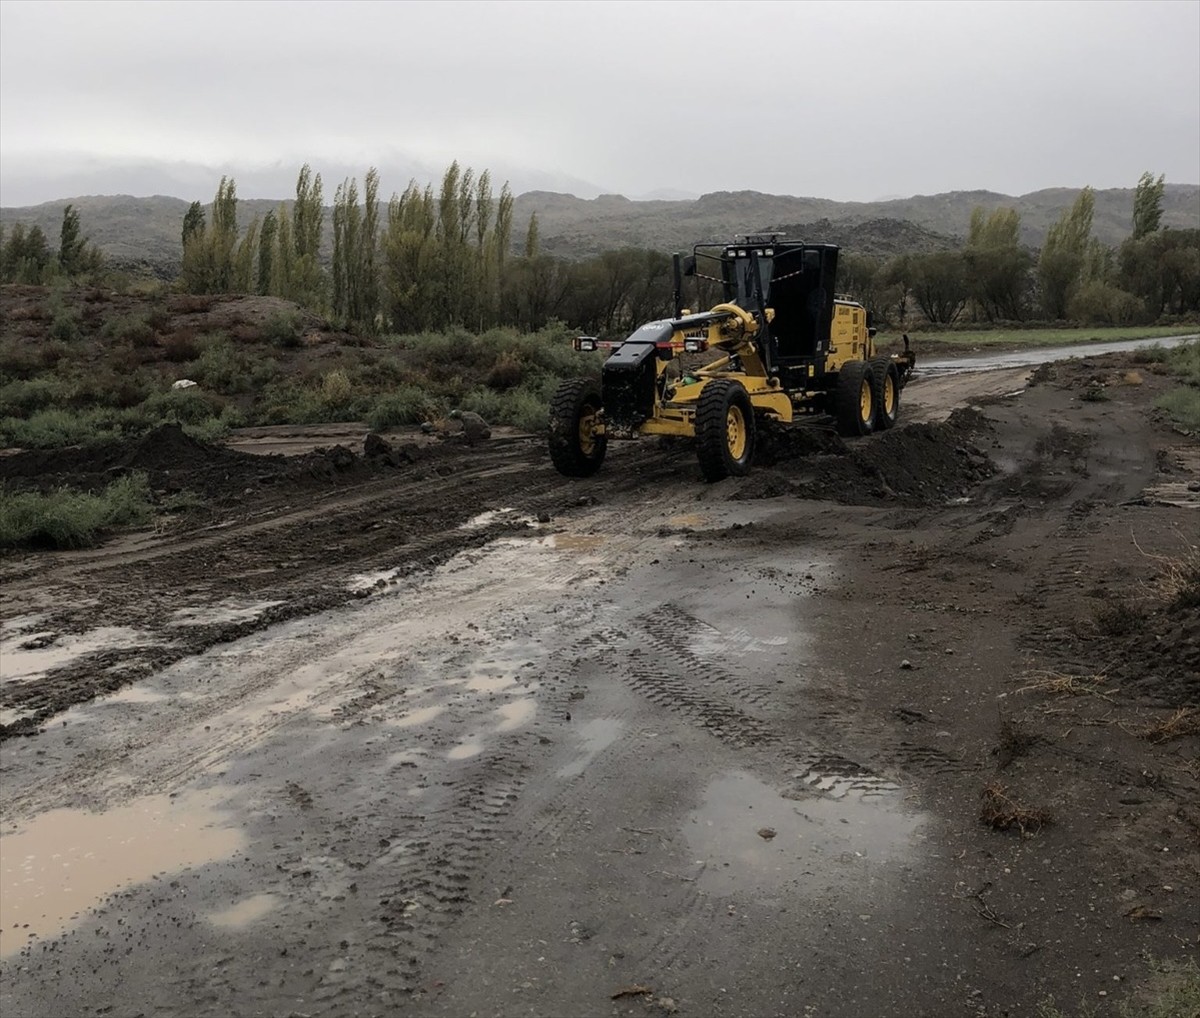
pixel 72 519
pixel 1171 991
pixel 1182 405
pixel 436 300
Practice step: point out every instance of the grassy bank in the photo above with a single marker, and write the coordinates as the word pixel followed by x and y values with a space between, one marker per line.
pixel 72 519
pixel 1182 405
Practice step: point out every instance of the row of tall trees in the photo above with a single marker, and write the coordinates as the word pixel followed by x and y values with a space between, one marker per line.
pixel 433 258
pixel 1074 276
pixel 428 260
pixel 26 255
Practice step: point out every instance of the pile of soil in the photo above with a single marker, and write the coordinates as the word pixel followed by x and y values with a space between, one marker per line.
pixel 920 464
pixel 173 461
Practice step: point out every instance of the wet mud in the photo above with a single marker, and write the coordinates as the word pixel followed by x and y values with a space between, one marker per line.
pixel 461 736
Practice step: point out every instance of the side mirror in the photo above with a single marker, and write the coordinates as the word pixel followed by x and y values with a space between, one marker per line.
pixel 689 265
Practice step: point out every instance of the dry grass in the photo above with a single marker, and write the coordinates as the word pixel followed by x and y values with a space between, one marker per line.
pixel 1132 378
pixel 1013 742
pixel 1052 683
pixel 1001 812
pixel 1185 721
pixel 1177 584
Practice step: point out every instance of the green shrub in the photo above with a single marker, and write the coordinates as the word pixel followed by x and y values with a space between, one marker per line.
pixel 65 326
pixel 1183 361
pixel 132 329
pixel 72 519
pixel 54 428
pixel 226 368
pixel 20 398
pixel 1182 406
pixel 182 406
pixel 284 329
pixel 407 404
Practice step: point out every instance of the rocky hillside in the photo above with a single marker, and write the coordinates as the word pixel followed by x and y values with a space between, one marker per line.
pixel 145 232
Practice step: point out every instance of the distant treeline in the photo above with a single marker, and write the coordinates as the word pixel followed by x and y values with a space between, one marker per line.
pixel 432 259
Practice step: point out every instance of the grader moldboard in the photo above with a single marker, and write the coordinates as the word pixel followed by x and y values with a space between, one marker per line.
pixel 787 349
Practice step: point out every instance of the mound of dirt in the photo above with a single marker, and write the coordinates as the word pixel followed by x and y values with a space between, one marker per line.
pixel 920 464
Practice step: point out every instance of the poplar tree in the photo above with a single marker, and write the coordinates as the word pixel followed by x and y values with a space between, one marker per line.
pixel 1147 204
pixel 1061 263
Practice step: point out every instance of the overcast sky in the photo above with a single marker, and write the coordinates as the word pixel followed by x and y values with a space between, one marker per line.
pixel 844 100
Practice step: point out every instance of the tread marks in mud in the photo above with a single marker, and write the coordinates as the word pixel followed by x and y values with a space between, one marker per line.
pixel 670 628
pixel 425 881
pixel 812 768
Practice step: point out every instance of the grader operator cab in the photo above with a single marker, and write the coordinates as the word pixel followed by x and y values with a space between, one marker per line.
pixel 782 348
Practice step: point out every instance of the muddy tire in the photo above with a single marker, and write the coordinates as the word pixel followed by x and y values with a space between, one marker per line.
pixel 886 392
pixel 724 430
pixel 854 399
pixel 575 449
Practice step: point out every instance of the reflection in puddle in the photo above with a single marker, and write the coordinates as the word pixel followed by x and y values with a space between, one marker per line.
pixel 573 542
pixel 465 750
pixel 224 612
pixel 136 694
pixel 516 714
pixel 420 716
pixel 596 736
pixel 491 682
pixel 368 581
pixel 66 861
pixel 19 663
pixel 492 516
pixel 817 843
pixel 245 911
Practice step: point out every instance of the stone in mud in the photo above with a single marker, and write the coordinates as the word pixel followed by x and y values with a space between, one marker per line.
pixel 375 445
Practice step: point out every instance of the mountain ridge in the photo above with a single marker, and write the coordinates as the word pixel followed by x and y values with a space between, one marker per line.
pixel 146 230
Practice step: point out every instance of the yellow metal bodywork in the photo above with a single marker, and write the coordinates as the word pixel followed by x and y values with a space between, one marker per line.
pixel 849 339
pixel 676 413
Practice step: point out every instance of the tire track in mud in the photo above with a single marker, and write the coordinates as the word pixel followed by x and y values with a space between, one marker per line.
pixel 810 767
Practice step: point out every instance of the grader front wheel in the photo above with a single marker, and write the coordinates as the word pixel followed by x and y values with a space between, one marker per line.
pixel 577 444
pixel 724 430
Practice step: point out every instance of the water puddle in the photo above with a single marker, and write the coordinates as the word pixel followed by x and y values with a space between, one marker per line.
pixel 245 912
pixel 514 715
pixel 219 614
pixel 465 750
pixel 594 736
pixel 491 682
pixel 27 656
pixel 486 519
pixel 136 694
pixel 420 716
pixel 20 624
pixel 747 837
pixel 373 581
pixel 66 861
pixel 579 543
pixel 11 715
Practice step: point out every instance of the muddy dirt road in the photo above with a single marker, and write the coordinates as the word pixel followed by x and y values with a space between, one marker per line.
pixel 447 734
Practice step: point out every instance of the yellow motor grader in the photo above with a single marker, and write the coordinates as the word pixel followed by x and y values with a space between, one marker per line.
pixel 783 347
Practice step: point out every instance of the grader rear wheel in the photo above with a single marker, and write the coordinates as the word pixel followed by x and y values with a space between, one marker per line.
pixel 886 392
pixel 724 430
pixel 854 399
